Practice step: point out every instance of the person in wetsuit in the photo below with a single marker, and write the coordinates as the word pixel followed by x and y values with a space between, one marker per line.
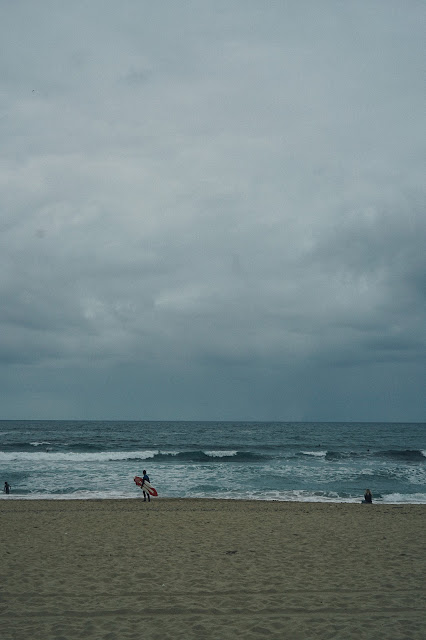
pixel 368 497
pixel 145 493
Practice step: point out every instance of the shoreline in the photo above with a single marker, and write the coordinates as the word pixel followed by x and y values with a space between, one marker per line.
pixel 211 568
pixel 72 498
pixel 219 501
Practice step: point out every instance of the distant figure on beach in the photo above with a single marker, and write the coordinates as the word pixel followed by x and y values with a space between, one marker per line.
pixel 368 497
pixel 145 493
pixel 6 487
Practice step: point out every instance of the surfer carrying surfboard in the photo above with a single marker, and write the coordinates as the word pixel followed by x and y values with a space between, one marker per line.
pixel 146 486
pixel 145 477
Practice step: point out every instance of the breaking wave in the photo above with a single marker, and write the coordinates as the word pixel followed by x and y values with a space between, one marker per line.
pixel 137 456
pixel 407 456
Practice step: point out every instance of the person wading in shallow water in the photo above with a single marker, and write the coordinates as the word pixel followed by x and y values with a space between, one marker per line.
pixel 145 493
pixel 6 487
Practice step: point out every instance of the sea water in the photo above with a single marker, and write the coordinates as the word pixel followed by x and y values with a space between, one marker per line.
pixel 321 462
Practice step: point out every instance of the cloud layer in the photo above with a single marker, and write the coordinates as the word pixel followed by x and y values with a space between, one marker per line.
pixel 214 210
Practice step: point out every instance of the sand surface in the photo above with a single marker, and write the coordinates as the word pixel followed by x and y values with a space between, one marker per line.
pixel 125 569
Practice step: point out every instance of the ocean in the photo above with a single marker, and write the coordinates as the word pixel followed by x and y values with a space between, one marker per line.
pixel 286 461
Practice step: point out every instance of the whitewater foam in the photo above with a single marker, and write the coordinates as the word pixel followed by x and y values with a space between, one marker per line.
pixel 221 454
pixel 317 454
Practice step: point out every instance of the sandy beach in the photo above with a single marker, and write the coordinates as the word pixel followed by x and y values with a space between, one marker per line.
pixel 125 569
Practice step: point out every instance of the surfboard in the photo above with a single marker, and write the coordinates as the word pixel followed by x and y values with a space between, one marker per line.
pixel 146 486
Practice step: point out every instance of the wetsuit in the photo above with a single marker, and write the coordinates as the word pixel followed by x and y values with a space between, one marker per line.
pixel 145 493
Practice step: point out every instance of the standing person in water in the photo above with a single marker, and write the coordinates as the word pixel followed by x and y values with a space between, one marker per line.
pixel 145 477
pixel 6 487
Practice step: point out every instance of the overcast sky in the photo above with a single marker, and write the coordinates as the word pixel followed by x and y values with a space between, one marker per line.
pixel 212 210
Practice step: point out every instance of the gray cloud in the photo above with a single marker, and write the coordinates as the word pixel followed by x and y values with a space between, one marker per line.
pixel 212 213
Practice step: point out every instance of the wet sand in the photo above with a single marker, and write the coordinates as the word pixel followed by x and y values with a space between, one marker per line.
pixel 125 569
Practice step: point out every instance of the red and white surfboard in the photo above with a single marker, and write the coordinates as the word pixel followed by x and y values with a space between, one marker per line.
pixel 146 486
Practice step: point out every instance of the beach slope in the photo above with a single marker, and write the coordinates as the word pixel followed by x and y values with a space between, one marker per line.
pixel 125 569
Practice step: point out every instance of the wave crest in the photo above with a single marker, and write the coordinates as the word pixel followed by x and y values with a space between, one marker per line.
pixel 409 455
